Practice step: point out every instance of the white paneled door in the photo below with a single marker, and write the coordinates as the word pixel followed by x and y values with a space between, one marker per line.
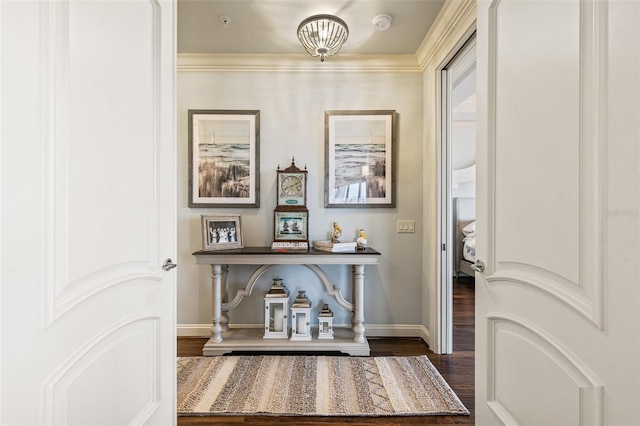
pixel 87 212
pixel 558 199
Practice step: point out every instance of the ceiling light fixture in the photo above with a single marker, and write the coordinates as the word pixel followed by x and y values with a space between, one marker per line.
pixel 323 35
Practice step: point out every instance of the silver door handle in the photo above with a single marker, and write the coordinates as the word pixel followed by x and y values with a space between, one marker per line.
pixel 478 266
pixel 168 265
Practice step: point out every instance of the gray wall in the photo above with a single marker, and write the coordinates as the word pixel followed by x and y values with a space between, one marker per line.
pixel 292 106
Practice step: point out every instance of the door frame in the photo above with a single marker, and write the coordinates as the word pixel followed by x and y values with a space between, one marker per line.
pixel 445 201
pixel 456 23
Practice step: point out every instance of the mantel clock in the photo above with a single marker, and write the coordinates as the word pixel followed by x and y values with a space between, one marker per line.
pixel 292 186
pixel 291 216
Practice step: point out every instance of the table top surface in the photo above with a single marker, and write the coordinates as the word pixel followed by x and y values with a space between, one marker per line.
pixel 283 252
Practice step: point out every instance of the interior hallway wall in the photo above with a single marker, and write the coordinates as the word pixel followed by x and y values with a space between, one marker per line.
pixel 292 106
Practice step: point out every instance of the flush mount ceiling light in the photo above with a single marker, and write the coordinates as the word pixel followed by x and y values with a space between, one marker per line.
pixel 323 35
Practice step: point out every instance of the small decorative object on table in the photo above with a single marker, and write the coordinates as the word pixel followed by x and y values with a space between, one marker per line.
pixel 325 323
pixel 326 245
pixel 336 233
pixel 292 186
pixel 221 232
pixel 276 307
pixel 291 216
pixel 301 317
pixel 362 239
pixel 291 229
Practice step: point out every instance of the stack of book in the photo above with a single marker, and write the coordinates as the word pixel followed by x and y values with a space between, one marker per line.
pixel 334 247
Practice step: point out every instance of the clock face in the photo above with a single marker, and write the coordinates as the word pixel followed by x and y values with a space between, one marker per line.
pixel 292 186
pixel 291 189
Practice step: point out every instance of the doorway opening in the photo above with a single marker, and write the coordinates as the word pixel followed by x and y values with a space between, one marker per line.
pixel 457 163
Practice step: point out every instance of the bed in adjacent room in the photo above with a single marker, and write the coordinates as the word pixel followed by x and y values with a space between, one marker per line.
pixel 464 236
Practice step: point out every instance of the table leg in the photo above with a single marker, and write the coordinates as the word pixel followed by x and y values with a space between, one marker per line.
pixel 224 315
pixel 358 304
pixel 216 293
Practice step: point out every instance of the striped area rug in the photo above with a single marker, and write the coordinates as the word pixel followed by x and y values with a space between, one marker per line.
pixel 314 386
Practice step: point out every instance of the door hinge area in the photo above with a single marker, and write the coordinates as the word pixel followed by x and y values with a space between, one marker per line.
pixel 444 247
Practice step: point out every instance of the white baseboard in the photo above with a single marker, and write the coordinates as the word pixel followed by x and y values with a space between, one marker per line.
pixel 372 330
pixel 194 330
pixel 393 330
pixel 426 336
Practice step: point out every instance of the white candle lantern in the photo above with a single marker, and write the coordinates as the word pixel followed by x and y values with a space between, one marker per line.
pixel 301 318
pixel 325 323
pixel 276 308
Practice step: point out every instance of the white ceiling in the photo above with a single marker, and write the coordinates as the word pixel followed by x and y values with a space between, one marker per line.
pixel 269 26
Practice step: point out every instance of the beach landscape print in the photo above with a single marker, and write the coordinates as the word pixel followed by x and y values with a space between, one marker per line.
pixel 359 158
pixel 224 158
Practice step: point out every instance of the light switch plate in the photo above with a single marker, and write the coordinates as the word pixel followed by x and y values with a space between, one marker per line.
pixel 406 226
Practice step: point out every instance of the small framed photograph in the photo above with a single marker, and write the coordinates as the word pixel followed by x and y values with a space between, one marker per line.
pixel 224 158
pixel 360 158
pixel 291 226
pixel 221 232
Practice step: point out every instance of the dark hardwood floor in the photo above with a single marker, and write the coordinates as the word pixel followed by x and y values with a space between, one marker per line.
pixel 457 369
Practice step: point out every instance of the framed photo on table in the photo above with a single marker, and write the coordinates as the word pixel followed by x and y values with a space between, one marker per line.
pixel 224 158
pixel 360 158
pixel 221 232
pixel 291 225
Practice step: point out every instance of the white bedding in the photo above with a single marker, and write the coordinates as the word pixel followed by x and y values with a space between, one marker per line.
pixel 469 249
pixel 469 241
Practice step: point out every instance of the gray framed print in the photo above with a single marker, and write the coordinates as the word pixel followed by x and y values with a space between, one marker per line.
pixel 224 158
pixel 360 158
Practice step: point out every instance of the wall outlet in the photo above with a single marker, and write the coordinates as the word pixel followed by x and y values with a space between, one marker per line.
pixel 406 226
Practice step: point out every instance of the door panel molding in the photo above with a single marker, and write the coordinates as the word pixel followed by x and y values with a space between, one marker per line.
pixel 504 334
pixel 585 295
pixel 136 329
pixel 60 293
pixel 78 291
pixel 547 281
pixel 54 76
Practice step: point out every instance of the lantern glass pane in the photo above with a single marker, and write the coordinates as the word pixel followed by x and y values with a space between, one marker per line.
pixel 325 327
pixel 301 323
pixel 276 317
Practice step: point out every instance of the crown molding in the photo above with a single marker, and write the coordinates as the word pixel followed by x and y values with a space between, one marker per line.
pixel 241 62
pixel 454 15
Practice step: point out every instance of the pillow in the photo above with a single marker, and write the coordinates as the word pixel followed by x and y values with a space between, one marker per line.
pixel 470 229
pixel 469 249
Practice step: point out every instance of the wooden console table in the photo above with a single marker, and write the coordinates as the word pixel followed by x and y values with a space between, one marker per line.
pixel 352 342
